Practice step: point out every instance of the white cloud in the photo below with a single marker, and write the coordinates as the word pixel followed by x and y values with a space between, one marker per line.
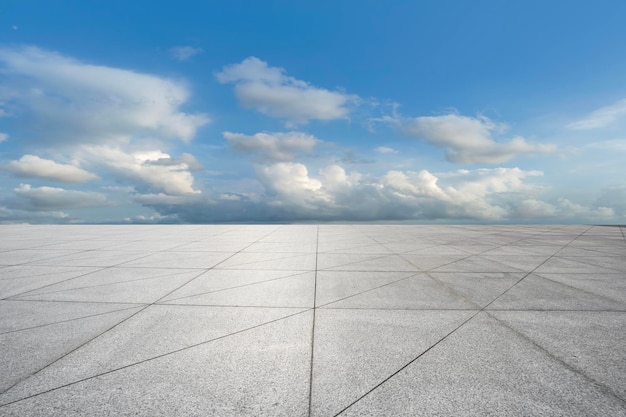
pixel 292 184
pixel 52 198
pixel 469 140
pixel 183 53
pixel 602 117
pixel 149 170
pixel 273 93
pixel 385 149
pixel 68 101
pixel 36 167
pixel 3 137
pixel 273 147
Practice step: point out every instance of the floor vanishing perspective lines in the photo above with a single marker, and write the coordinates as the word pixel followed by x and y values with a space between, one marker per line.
pixel 308 320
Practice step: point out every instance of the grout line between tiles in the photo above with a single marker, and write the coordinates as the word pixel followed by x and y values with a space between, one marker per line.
pixel 317 241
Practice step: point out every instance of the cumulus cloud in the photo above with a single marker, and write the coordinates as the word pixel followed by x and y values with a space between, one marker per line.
pixel 3 137
pixel 602 117
pixel 273 147
pixel 183 53
pixel 35 167
pixel 469 139
pixel 70 101
pixel 152 171
pixel 273 93
pixel 52 198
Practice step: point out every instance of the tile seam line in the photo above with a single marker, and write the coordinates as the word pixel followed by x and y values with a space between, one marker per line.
pixel 240 286
pixel 102 285
pixel 451 290
pixel 125 320
pixel 542 276
pixel 317 242
pixel 571 367
pixel 67 321
pixel 152 358
pixel 389 377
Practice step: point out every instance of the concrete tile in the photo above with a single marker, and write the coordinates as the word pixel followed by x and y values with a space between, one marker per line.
pixel 25 352
pixel 260 372
pixel 17 315
pixel 357 349
pixel 93 258
pixel 24 256
pixel 361 249
pixel 362 262
pixel 117 275
pixel 477 264
pixel 332 286
pixel 147 290
pixel 15 280
pixel 171 259
pixel 571 265
pixel 156 331
pixel 292 291
pixel 613 263
pixel 594 344
pixel 525 263
pixel 486 369
pixel 213 245
pixel 274 261
pixel 221 279
pixel 612 286
pixel 537 293
pixel 432 261
pixel 282 247
pixel 417 292
pixel 480 288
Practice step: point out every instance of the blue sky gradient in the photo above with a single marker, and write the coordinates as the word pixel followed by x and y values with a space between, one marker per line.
pixel 281 111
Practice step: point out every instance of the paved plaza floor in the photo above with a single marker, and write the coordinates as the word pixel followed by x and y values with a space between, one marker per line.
pixel 308 320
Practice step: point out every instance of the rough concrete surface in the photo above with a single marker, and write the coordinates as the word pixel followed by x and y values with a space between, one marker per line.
pixel 308 320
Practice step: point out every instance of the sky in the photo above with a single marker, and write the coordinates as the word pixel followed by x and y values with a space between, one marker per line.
pixel 445 111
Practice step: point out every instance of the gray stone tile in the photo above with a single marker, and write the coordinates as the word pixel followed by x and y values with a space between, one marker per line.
pixel 25 352
pixel 23 256
pixel 119 275
pixel 480 288
pixel 171 259
pixel 93 258
pixel 292 291
pixel 222 279
pixel 478 264
pixel 362 262
pixel 274 261
pixel 486 369
pixel 572 265
pixel 612 286
pixel 147 290
pixel 537 293
pixel 594 344
pixel 261 372
pixel 16 280
pixel 332 286
pixel 431 261
pixel 416 292
pixel 352 351
pixel 282 247
pixel 156 331
pixel 17 315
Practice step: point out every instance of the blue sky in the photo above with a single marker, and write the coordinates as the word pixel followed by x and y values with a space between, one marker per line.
pixel 282 111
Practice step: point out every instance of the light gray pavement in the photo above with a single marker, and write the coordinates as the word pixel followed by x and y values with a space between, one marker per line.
pixel 307 320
